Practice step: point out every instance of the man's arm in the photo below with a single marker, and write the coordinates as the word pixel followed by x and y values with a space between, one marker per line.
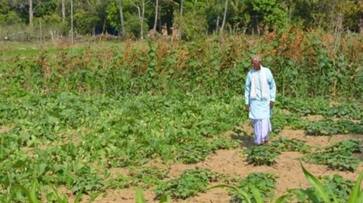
pixel 272 86
pixel 247 91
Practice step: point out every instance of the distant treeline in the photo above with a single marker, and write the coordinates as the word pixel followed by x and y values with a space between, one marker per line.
pixel 187 19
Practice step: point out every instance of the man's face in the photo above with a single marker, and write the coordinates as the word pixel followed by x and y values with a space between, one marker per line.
pixel 256 64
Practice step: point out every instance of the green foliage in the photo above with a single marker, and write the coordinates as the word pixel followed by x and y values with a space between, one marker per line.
pixel 329 189
pixel 268 12
pixel 267 154
pixel 85 22
pixel 264 183
pixel 339 186
pixel 192 25
pixel 284 145
pixel 262 155
pixel 338 156
pixel 86 181
pixel 330 127
pixel 201 149
pixel 147 177
pixel 188 184
pixel 320 106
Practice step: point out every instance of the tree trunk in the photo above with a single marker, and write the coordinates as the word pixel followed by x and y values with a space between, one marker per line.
pixel 142 18
pixel 217 24
pixel 123 32
pixel 72 35
pixel 224 16
pixel 63 11
pixel 141 13
pixel 156 15
pixel 181 7
pixel 31 13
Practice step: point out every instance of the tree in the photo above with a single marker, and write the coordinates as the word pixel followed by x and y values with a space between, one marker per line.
pixel 122 21
pixel 31 13
pixel 181 7
pixel 224 16
pixel 63 11
pixel 72 29
pixel 156 14
pixel 141 15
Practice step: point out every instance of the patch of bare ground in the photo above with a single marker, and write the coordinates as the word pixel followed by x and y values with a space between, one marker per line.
pixel 5 129
pixel 313 117
pixel 121 195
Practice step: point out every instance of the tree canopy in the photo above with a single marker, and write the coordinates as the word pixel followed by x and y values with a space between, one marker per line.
pixel 194 17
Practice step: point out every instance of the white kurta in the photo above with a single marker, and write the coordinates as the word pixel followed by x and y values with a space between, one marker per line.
pixel 260 90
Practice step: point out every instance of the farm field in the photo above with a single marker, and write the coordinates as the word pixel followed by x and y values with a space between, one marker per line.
pixel 100 121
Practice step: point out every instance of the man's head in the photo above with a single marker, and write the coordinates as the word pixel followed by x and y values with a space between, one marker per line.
pixel 256 62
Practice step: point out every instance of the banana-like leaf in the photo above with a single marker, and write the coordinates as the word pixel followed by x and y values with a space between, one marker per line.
pixel 282 199
pixel 165 199
pixel 318 186
pixel 356 191
pixel 139 196
pixel 31 193
pixel 256 195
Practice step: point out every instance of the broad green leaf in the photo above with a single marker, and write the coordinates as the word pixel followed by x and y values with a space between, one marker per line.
pixel 139 196
pixel 282 199
pixel 165 199
pixel 356 192
pixel 318 186
pixel 256 195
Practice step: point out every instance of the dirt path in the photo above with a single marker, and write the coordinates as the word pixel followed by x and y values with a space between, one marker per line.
pixel 233 163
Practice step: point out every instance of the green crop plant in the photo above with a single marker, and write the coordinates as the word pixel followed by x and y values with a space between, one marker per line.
pixel 283 144
pixel 330 127
pixel 262 183
pixel 338 156
pixel 188 184
pixel 262 155
pixel 331 189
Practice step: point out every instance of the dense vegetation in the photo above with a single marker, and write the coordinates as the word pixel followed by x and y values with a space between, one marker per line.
pixel 192 18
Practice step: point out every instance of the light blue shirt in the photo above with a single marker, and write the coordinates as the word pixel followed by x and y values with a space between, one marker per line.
pixel 259 107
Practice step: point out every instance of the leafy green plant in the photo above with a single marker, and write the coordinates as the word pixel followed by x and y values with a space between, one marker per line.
pixel 331 189
pixel 87 181
pixel 193 153
pixel 329 127
pixel 262 155
pixel 188 184
pixel 262 183
pixel 325 191
pixel 338 156
pixel 285 144
pixel 147 176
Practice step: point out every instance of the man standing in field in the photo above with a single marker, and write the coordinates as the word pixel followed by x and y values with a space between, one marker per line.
pixel 260 93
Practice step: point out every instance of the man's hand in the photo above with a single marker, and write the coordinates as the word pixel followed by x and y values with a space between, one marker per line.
pixel 247 107
pixel 271 104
